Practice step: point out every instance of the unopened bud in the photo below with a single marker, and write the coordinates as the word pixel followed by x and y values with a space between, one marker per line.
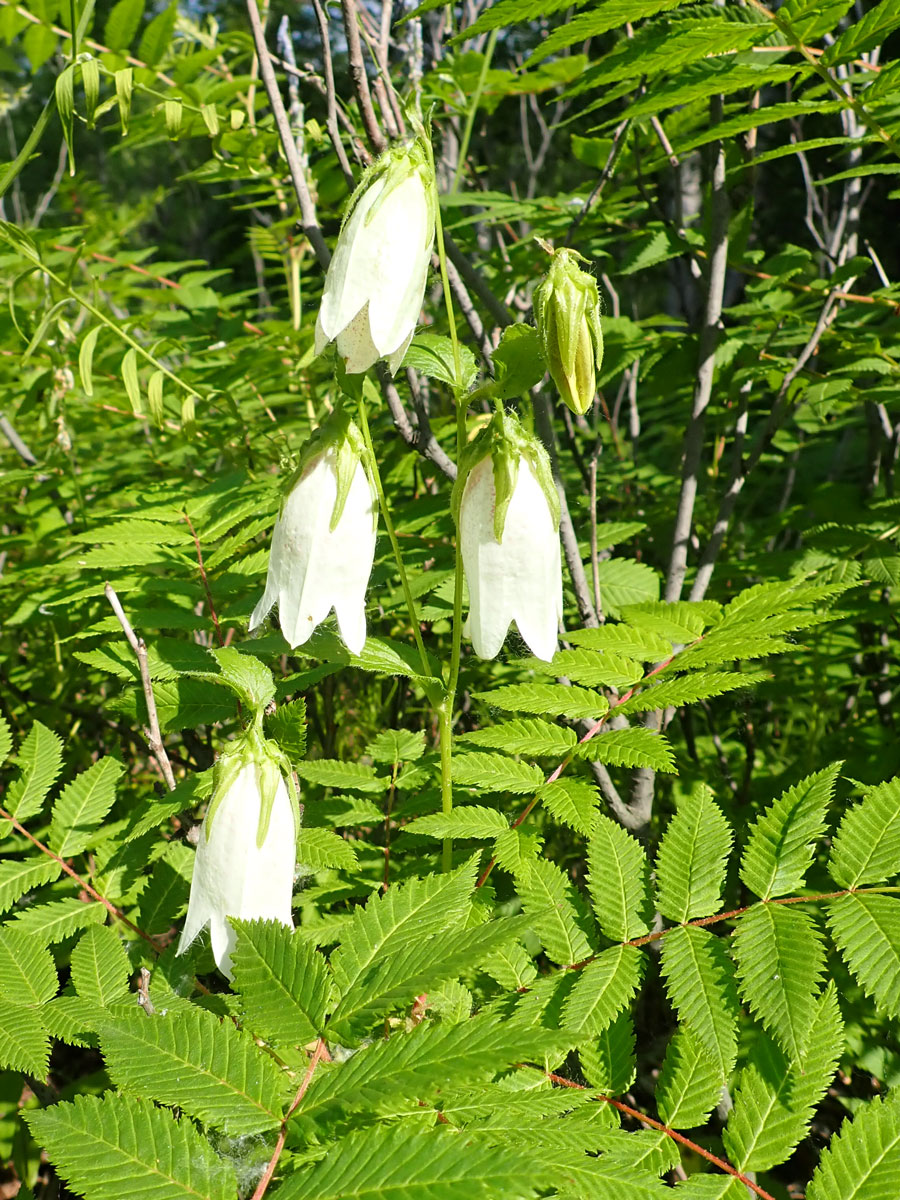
pixel 567 311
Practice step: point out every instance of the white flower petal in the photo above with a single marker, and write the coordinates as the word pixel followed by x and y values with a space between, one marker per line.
pixel 233 877
pixel 355 345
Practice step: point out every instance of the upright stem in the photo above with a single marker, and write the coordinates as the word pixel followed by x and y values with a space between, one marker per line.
pixel 389 525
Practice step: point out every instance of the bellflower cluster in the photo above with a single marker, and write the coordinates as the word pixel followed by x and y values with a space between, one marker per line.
pixel 508 518
pixel 246 854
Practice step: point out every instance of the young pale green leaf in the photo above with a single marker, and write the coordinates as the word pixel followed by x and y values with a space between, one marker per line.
pixel 531 737
pixel 496 773
pixel 100 967
pixel 113 1146
pixel 700 983
pixel 287 728
pixel 384 1163
pixel 609 1061
pixel 155 396
pixel 196 1062
pixel 780 961
pixel 556 912
pixel 24 1042
pixel 866 847
pixel 122 23
pixel 124 89
pixel 27 971
pixel 282 981
pixel 690 864
pixel 863 1161
pixel 548 699
pixel 86 359
pixel 466 821
pixel 518 362
pixel 82 805
pixel 432 354
pixel 603 990
pixel 618 881
pixel 396 746
pixel 782 839
pixel 690 1082
pixel 40 760
pixel 129 370
pixel 592 669
pixel 775 1099
pixel 866 930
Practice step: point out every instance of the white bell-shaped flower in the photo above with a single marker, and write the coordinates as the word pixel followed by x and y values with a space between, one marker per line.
pixel 317 563
pixel 246 857
pixel 518 575
pixel 376 280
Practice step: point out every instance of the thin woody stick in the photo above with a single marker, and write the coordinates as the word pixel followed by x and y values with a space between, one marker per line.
pixel 138 645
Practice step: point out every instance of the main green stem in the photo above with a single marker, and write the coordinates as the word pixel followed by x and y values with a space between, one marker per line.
pixel 392 534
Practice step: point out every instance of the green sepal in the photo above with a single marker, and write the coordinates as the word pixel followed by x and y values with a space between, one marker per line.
pixel 567 313
pixel 271 766
pixel 504 439
pixel 337 431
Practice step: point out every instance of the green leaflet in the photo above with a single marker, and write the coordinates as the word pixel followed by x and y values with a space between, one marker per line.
pixel 690 863
pixel 700 983
pixel 618 881
pixel 690 1082
pixel 866 930
pixel 866 846
pixel 282 981
pixel 863 1161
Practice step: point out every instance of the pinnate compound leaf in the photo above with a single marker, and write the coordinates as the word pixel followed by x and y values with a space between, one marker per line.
pixel 204 1066
pixel 690 864
pixel 40 760
pixel 866 930
pixel 282 981
pixel 863 1160
pixel 100 967
pixel 603 989
pixel 700 983
pixel 82 805
pixel 394 1164
pixel 780 961
pixel 690 1083
pixel 618 881
pixel 775 1098
pixel 866 846
pixel 782 840
pixel 110 1147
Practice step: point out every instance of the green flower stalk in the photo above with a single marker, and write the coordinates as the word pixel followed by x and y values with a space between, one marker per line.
pixel 567 311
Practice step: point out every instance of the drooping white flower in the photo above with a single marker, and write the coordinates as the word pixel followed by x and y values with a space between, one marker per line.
pixel 323 545
pixel 376 280
pixel 246 854
pixel 508 525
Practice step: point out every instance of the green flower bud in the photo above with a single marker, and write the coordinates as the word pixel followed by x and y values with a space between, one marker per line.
pixel 567 311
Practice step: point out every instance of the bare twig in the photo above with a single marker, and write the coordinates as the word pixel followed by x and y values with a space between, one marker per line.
pixel 18 444
pixel 154 736
pixel 331 122
pixel 319 1053
pixel 360 78
pixel 618 144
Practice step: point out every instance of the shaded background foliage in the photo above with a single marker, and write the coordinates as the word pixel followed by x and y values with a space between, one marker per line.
pixel 568 123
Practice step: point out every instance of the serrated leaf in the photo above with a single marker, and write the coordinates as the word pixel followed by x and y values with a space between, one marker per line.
pixel 59 919
pixel 866 930
pixel 782 839
pixel 547 699
pixel 590 668
pixel 700 983
pixel 82 805
pixel 674 693
pixel 690 863
pixel 100 967
pixel 780 961
pixel 863 1160
pixel 114 1146
pixel 396 746
pixel 624 582
pixel 122 23
pixel 603 989
pixel 618 881
pixel 496 773
pixel 518 362
pixel 27 971
pixel 204 1066
pixel 642 644
pixel 532 738
pixel 320 848
pixel 24 1043
pixel 572 801
pixel 40 760
pixel 690 1082
pixel 866 847
pixel 282 982
pixel 555 912
pixel 18 877
pixel 629 748
pixel 609 1061
pixel 432 354
pixel 348 776
pixel 467 821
